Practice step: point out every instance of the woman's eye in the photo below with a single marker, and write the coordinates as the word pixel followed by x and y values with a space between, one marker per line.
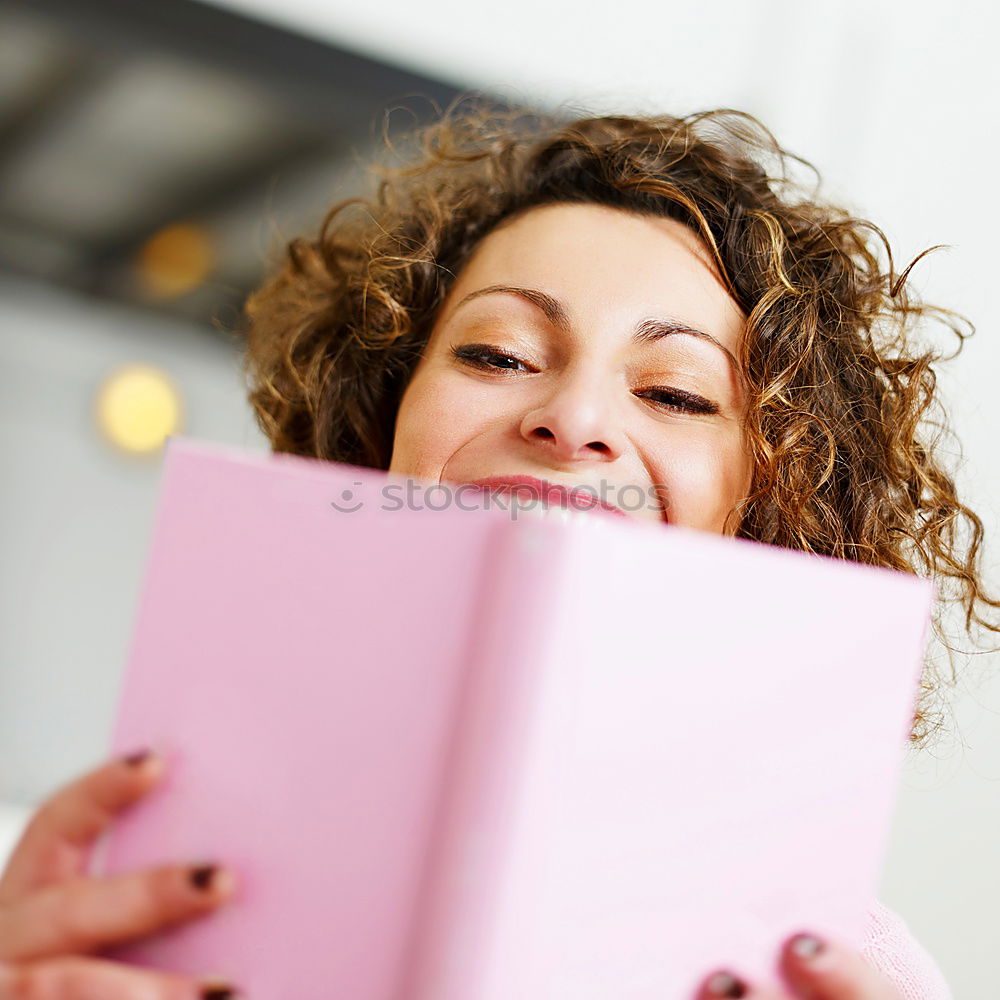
pixel 485 356
pixel 679 400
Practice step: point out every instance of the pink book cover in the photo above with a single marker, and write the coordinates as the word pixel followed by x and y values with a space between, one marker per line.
pixel 456 755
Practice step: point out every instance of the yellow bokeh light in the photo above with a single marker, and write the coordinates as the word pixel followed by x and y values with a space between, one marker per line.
pixel 138 407
pixel 175 260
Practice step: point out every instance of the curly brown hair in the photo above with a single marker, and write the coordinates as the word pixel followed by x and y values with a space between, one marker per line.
pixel 844 424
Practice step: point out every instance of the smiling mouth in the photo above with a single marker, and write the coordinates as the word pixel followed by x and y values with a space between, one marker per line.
pixel 546 498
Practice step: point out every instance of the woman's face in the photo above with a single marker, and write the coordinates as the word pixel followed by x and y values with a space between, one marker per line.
pixel 586 347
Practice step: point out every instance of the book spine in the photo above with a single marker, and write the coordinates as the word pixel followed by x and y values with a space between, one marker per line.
pixel 465 867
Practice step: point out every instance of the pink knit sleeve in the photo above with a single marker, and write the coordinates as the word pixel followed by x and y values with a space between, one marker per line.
pixel 892 949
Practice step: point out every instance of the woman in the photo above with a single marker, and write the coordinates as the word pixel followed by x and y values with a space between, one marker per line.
pixel 614 303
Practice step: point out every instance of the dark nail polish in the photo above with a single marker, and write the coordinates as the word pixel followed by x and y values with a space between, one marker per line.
pixel 201 877
pixel 135 759
pixel 218 993
pixel 805 945
pixel 722 984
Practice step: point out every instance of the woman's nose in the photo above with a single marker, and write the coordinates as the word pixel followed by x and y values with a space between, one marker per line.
pixel 574 424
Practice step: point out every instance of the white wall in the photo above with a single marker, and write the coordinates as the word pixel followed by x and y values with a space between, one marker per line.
pixel 75 516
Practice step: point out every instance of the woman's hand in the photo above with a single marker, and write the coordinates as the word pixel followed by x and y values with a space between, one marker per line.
pixel 812 970
pixel 52 915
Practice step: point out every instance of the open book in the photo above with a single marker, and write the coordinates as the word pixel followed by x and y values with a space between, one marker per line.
pixel 456 755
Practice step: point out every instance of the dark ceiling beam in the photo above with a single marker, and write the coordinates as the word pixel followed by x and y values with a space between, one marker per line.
pixel 330 84
pixel 339 96
pixel 35 249
pixel 63 86
pixel 212 195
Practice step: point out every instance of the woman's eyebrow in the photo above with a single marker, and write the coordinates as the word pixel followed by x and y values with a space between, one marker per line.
pixel 647 331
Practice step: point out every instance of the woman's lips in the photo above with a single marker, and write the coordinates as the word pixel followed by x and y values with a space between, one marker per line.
pixel 551 494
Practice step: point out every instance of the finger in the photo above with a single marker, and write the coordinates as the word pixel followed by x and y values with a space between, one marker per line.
pixel 57 840
pixel 83 915
pixel 100 979
pixel 828 970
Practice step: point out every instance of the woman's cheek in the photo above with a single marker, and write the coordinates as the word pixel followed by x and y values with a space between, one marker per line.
pixel 705 478
pixel 427 433
pixel 411 441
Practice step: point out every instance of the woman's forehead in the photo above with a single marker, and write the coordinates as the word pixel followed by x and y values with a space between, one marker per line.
pixel 592 259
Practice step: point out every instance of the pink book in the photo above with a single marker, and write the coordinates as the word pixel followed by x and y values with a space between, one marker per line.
pixel 461 755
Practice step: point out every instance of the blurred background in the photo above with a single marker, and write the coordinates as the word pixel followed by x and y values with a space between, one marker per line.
pixel 155 155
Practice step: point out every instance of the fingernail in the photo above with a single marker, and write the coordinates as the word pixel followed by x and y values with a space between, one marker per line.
pixel 211 878
pixel 722 984
pixel 137 758
pixel 216 989
pixel 202 876
pixel 805 945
